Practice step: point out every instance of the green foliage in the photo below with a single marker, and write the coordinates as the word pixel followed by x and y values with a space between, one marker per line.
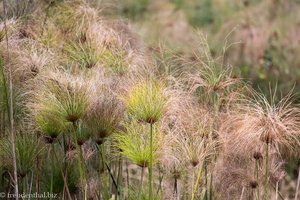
pixel 104 116
pixel 28 149
pixel 51 166
pixel 114 59
pixel 134 193
pixel 202 13
pixel 134 9
pixel 79 132
pixel 66 100
pixel 146 101
pixel 84 54
pixel 134 143
pixel 49 123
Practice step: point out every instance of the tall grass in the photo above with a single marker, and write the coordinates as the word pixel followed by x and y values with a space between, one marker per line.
pixel 201 134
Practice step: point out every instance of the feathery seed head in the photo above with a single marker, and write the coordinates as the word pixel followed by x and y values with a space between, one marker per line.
pixel 28 149
pixel 104 115
pixel 134 143
pixel 146 101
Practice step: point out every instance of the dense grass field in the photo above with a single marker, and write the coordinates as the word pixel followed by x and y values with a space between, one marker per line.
pixel 149 100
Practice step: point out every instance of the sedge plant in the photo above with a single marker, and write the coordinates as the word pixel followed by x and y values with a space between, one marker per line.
pixel 134 143
pixel 146 102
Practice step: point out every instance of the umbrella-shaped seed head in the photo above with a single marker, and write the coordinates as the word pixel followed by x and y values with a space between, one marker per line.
pixel 28 149
pixel 79 133
pixel 49 124
pixel 134 144
pixel 66 98
pixel 146 102
pixel 104 116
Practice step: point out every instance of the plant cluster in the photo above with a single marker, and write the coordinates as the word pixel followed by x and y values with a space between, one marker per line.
pixel 99 119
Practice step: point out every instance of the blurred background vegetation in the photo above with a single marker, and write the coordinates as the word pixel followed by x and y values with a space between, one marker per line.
pixel 265 33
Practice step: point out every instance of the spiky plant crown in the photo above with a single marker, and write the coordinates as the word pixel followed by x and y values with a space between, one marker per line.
pixel 28 149
pixel 210 78
pixel 263 121
pixel 65 96
pixel 79 132
pixel 56 101
pixel 49 124
pixel 85 55
pixel 104 115
pixel 114 60
pixel 146 101
pixel 134 143
pixel 74 17
pixel 29 60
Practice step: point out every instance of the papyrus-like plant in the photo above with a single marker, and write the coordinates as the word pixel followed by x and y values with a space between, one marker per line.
pixel 28 149
pixel 146 102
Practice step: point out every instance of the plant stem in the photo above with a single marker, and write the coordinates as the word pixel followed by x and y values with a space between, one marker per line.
pixel 241 198
pixel 298 182
pixel 104 172
pixel 100 160
pixel 64 176
pixel 257 179
pixel 161 177
pixel 81 170
pixel 175 185
pixel 127 176
pixel 206 180
pixel 51 182
pixel 141 182
pixel 119 178
pixel 197 181
pixel 267 171
pixel 276 197
pixel 151 162
pixel 211 187
pixel 11 111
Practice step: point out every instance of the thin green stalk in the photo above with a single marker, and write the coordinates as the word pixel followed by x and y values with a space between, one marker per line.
pixel 100 160
pixel 104 172
pixel 127 176
pixel 161 177
pixel 112 177
pixel 151 162
pixel 81 171
pixel 51 182
pixel 5 97
pixel 141 182
pixel 198 180
pixel 119 178
pixel 267 171
pixel 64 176
pixel 24 185
pixel 11 109
pixel 211 187
pixel 298 183
pixel 257 179
pixel 206 181
pixel 31 182
pixel 175 185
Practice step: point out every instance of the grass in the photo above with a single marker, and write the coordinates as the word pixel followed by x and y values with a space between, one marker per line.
pixel 98 116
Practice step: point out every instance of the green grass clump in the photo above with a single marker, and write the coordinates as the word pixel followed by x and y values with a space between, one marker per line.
pixel 67 100
pixel 114 59
pixel 85 55
pixel 146 101
pixel 134 144
pixel 28 149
